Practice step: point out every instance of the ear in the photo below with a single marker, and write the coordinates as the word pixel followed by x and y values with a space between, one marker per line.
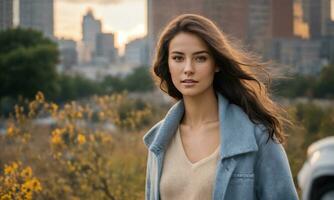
pixel 217 69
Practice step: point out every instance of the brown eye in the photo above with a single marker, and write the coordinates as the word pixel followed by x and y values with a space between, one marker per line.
pixel 201 58
pixel 177 58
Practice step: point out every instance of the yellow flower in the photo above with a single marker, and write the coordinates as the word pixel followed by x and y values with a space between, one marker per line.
pixel 54 107
pixel 81 139
pixel 26 173
pixel 56 136
pixel 33 185
pixel 79 114
pixel 10 131
pixel 10 169
pixel 56 139
pixel 57 131
pixel 28 196
pixel 5 197
pixel 36 185
pixel 40 97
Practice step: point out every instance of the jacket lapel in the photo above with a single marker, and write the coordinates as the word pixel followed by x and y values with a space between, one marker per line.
pixel 158 137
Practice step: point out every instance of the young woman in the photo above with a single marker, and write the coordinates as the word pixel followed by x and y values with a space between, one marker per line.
pixel 222 139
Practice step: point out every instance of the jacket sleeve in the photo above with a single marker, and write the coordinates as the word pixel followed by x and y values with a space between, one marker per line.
pixel 272 171
pixel 148 178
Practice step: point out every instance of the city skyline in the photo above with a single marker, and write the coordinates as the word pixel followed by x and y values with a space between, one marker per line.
pixel 69 14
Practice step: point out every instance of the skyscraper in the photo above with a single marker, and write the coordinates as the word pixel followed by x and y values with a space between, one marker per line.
pixel 6 14
pixel 161 11
pixel 318 16
pixel 221 11
pixel 259 30
pixel 37 14
pixel 90 28
pixel 230 16
pixel 254 22
pixel 282 18
pixel 269 19
pixel 105 46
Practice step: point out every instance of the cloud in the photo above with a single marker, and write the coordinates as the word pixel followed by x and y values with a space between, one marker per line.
pixel 93 1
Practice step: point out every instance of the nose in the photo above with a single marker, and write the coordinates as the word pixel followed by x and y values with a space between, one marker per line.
pixel 188 68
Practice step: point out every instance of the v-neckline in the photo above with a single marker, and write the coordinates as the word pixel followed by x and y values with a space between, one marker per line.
pixel 199 162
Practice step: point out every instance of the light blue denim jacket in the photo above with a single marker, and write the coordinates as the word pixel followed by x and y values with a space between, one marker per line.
pixel 249 166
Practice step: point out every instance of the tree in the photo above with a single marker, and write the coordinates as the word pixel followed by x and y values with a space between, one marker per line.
pixel 27 64
pixel 139 80
pixel 325 85
pixel 74 87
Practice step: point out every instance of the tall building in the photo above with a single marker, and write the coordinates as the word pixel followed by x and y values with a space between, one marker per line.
pixel 282 18
pixel 136 53
pixel 318 16
pixel 37 14
pixel 254 22
pixel 230 16
pixel 259 28
pixel 105 47
pixel 268 19
pixel 68 53
pixel 6 14
pixel 299 56
pixel 159 12
pixel 90 28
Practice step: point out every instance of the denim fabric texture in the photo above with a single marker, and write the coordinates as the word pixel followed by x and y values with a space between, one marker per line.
pixel 250 166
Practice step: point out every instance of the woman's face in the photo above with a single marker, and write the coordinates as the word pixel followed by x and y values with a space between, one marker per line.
pixel 191 65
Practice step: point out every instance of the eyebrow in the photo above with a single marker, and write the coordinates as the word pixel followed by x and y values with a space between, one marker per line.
pixel 198 52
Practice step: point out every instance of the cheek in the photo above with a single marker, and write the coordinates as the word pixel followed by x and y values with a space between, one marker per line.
pixel 174 72
pixel 207 71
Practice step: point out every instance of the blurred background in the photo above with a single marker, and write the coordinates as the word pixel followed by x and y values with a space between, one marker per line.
pixel 76 95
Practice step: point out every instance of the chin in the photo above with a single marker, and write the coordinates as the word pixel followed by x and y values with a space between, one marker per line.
pixel 192 92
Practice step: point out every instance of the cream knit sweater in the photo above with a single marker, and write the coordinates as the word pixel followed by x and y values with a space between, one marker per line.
pixel 182 179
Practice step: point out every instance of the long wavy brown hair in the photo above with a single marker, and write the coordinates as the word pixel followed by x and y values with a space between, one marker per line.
pixel 243 79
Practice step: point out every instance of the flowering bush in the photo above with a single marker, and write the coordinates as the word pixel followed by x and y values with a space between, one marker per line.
pixel 81 150
pixel 17 182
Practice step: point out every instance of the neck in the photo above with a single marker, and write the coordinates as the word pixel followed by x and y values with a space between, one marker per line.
pixel 200 109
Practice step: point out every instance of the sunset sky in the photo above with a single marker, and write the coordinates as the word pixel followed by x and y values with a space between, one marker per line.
pixel 126 18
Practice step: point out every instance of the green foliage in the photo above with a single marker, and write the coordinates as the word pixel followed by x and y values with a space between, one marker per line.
pixel 325 84
pixel 139 80
pixel 312 123
pixel 75 87
pixel 296 87
pixel 308 86
pixel 27 63
pixel 112 84
pixel 311 116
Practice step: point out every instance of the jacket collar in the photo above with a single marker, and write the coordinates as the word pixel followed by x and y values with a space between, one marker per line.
pixel 237 132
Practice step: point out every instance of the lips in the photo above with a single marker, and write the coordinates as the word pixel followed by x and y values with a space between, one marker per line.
pixel 189 81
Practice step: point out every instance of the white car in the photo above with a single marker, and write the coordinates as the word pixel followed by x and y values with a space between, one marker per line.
pixel 316 178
